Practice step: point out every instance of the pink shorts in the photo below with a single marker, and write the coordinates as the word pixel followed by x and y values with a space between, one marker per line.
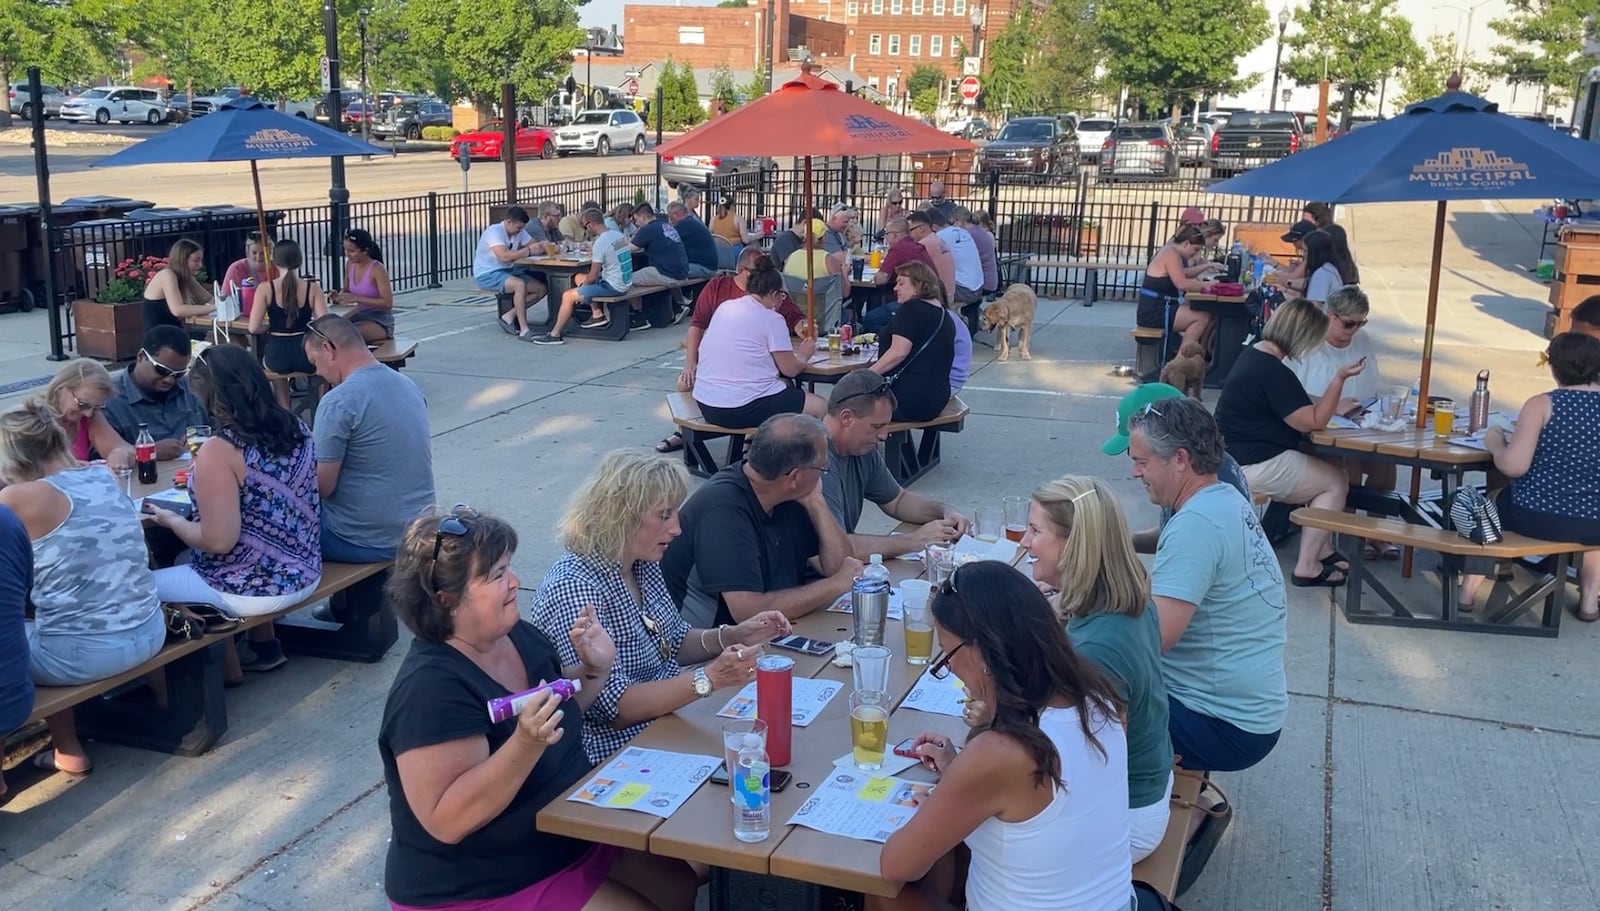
pixel 568 890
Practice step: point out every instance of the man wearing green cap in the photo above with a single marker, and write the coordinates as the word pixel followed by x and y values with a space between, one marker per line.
pixel 1136 402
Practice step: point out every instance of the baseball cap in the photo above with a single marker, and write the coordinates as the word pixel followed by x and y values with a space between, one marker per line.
pixel 1299 230
pixel 1192 216
pixel 1131 404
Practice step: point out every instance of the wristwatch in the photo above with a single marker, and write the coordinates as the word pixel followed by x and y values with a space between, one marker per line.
pixel 702 683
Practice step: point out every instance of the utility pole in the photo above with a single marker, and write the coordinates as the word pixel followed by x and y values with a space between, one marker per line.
pixel 366 100
pixel 338 194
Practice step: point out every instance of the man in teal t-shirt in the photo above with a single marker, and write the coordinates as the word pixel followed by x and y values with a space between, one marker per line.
pixel 1219 593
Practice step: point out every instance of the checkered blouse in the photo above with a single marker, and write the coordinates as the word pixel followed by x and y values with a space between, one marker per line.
pixel 647 638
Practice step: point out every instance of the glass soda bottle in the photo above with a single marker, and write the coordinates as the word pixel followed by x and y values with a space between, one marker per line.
pixel 144 453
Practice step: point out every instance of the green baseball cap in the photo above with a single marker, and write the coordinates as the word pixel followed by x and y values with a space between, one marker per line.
pixel 1131 404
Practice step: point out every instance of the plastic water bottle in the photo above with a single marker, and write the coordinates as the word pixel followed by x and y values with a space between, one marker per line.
pixel 869 602
pixel 752 792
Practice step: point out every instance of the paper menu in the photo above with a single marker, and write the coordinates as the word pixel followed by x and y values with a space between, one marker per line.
pixel 1001 550
pixel 941 697
pixel 648 781
pixel 809 698
pixel 856 805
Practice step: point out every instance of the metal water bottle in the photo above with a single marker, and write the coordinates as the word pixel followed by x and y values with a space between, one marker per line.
pixel 869 602
pixel 1478 414
pixel 1235 262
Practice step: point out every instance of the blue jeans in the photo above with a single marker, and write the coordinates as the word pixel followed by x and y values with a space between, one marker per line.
pixel 72 659
pixel 1209 744
pixel 878 318
pixel 338 550
pixel 496 281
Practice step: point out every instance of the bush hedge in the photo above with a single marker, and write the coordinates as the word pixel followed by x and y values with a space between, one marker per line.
pixel 439 134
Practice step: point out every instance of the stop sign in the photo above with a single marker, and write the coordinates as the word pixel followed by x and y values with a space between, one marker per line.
pixel 631 86
pixel 969 88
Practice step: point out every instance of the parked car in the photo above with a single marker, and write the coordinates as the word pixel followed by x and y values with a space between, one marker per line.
pixel 346 98
pixel 1032 146
pixel 695 170
pixel 600 132
pixel 21 102
pixel 968 128
pixel 1092 134
pixel 1139 151
pixel 1251 139
pixel 1194 142
pixel 485 142
pixel 122 103
pixel 205 104
pixel 408 119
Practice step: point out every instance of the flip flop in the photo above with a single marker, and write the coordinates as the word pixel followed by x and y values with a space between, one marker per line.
pixel 1320 580
pixel 1391 551
pixel 1589 616
pixel 1332 561
pixel 508 328
pixel 672 443
pixel 46 760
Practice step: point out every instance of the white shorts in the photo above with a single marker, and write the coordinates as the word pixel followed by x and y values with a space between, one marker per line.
pixel 182 583
pixel 1278 476
pixel 1149 825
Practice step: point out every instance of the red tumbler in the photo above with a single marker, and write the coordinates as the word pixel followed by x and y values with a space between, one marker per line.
pixel 775 704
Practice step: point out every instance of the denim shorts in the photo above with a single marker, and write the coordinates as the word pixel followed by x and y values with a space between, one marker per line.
pixel 1207 744
pixel 496 281
pixel 591 290
pixel 72 659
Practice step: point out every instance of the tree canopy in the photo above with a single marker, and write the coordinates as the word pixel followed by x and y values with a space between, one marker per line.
pixel 1543 46
pixel 1355 42
pixel 1168 53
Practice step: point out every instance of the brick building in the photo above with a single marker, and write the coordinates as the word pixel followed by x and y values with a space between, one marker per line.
pixel 705 37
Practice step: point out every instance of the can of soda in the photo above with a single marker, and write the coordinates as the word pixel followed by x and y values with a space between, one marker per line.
pixel 847 333
pixel 775 704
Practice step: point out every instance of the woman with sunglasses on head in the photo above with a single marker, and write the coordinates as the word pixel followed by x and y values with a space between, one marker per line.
pixel 1039 793
pixel 96 611
pixel 76 396
pixel 615 529
pixel 253 266
pixel 291 303
pixel 255 534
pixel 464 789
pixel 1085 557
pixel 366 287
pixel 1165 281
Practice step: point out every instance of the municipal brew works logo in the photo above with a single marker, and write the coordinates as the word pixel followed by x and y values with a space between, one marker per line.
pixel 277 141
pixel 1469 167
pixel 863 126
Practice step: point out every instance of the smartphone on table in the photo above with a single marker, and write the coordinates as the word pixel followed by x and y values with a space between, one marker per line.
pixel 803 644
pixel 907 748
pixel 778 778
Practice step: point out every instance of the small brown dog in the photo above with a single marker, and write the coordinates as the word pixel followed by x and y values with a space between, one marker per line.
pixel 1012 310
pixel 1187 371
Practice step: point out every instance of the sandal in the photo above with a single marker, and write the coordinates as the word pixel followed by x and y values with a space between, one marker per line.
pixel 46 760
pixel 1589 616
pixel 1333 561
pixel 1370 552
pixel 1390 551
pixel 509 327
pixel 1321 579
pixel 672 443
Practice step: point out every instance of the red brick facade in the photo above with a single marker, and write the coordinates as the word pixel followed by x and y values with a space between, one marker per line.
pixel 704 37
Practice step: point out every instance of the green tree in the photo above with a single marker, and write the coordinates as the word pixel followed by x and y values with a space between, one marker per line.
pixel 1543 46
pixel 732 4
pixel 1424 75
pixel 1355 42
pixel 1167 54
pixel 924 84
pixel 1006 81
pixel 757 85
pixel 680 96
pixel 69 40
pixel 723 88
pixel 1069 56
pixel 179 39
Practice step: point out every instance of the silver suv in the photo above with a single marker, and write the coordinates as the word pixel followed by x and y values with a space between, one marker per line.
pixel 695 170
pixel 21 102
pixel 122 103
pixel 600 132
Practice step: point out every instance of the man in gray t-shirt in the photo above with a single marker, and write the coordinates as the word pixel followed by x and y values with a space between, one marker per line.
pixel 859 409
pixel 374 456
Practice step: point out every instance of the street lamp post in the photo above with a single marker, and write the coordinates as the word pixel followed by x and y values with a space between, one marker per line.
pixel 1277 62
pixel 1465 47
pixel 338 193
pixel 366 102
pixel 977 36
pixel 897 90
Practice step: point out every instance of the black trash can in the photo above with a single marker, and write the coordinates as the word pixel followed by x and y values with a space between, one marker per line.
pixel 19 234
pixel 108 206
pixel 226 229
pixel 165 226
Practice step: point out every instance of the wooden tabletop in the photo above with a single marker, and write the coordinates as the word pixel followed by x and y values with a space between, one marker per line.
pixel 835 364
pixel 545 262
pixel 1213 298
pixel 1423 446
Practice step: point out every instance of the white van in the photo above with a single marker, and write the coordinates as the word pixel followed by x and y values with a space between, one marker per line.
pixel 122 103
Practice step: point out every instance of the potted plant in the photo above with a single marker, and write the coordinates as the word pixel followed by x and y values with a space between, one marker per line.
pixel 1088 242
pixel 111 326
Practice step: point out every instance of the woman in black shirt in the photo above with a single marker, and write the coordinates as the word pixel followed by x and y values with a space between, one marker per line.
pixel 1264 414
pixel 463 790
pixel 174 294
pixel 920 345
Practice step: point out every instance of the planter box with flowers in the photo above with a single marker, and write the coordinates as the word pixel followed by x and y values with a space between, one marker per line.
pixel 111 326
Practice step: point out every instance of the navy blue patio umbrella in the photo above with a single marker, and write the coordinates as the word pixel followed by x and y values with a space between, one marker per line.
pixel 1454 147
pixel 244 129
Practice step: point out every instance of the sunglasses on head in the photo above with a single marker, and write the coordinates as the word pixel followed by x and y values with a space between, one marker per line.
pixel 452 526
pixel 162 370
pixel 883 386
pixel 312 328
pixel 1351 325
pixel 653 627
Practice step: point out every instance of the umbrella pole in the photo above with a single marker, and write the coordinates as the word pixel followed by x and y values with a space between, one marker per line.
pixel 805 213
pixel 1427 354
pixel 261 222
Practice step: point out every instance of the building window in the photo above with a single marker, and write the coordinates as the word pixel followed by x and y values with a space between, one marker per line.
pixel 955 45
pixel 938 7
pixel 896 7
pixel 691 34
pixel 894 45
pixel 872 83
pixel 958 7
pixel 852 9
pixel 915 49
pixel 875 45
pixel 916 7
pixel 877 7
pixel 935 45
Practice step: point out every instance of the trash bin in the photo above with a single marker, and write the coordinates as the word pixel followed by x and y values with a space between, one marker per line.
pixel 226 228
pixel 108 206
pixel 954 168
pixel 61 216
pixel 165 226
pixel 18 226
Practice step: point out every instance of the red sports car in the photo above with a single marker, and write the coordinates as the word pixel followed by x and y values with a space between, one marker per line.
pixel 485 142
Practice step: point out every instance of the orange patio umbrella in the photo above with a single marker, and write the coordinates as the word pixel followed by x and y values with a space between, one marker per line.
pixel 811 116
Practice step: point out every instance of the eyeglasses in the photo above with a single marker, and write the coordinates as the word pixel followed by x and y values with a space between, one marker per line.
pixel 1351 325
pixel 312 328
pixel 162 370
pixel 883 386
pixel 820 469
pixel 451 526
pixel 85 407
pixel 941 668
pixel 653 627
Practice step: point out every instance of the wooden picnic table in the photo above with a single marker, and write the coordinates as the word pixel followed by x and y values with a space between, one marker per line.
pixel 560 275
pixel 1422 450
pixel 1229 334
pixel 702 829
pixel 829 366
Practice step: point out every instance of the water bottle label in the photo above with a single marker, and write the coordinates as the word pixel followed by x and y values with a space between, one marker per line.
pixel 752 787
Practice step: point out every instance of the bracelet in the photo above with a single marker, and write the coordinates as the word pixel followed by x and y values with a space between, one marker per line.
pixel 703 647
pixel 720 628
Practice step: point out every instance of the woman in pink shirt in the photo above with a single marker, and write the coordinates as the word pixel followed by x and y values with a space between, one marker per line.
pixel 253 267
pixel 746 358
pixel 76 396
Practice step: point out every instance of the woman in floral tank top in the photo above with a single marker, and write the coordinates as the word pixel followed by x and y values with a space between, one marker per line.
pixel 256 530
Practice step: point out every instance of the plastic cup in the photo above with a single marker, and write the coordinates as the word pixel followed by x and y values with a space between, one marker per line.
pixel 124 478
pixel 869 728
pixel 988 524
pixel 871 667
pixel 917 621
pixel 1444 417
pixel 938 560
pixel 1016 517
pixel 916 592
pixel 733 735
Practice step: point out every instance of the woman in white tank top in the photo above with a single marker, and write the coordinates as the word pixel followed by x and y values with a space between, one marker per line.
pixel 1039 794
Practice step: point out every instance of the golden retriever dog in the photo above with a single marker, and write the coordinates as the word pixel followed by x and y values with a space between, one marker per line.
pixel 1012 310
pixel 1187 371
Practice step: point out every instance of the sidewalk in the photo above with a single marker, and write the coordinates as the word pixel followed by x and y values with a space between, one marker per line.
pixel 1417 770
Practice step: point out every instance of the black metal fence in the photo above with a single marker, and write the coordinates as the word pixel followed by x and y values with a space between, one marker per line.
pixel 1079 218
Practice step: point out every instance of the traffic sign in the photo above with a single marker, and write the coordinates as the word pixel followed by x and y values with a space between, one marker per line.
pixel 969 89
pixel 971 66
pixel 327 76
pixel 631 86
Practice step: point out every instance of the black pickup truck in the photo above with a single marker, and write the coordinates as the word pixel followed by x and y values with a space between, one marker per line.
pixel 1251 139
